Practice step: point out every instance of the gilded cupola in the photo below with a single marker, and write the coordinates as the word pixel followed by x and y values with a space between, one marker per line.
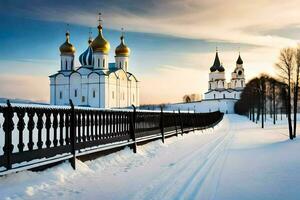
pixel 67 47
pixel 122 49
pixel 100 44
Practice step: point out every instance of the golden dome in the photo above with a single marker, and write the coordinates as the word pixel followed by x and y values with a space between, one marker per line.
pixel 67 47
pixel 122 49
pixel 99 44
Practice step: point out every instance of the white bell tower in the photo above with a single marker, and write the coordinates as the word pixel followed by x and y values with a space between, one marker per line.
pixel 67 52
pixel 238 75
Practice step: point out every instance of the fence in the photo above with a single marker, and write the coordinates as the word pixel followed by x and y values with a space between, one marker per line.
pixel 35 136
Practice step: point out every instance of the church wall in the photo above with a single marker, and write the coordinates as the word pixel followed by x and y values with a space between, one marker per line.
pixel 133 92
pixel 104 92
pixel 122 62
pixel 113 96
pixel 225 106
pixel 52 91
pixel 220 94
pixel 123 97
pixel 67 62
pixel 100 61
pixel 216 75
pixel 61 90
pixel 84 91
pixel 75 88
pixel 94 90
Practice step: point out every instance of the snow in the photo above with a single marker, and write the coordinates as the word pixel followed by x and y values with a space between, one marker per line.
pixel 235 160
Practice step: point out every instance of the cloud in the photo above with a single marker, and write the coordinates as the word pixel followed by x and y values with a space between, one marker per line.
pixel 246 22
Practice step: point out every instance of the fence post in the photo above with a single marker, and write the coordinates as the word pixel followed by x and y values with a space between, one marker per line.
pixel 174 114
pixel 132 129
pixel 193 121
pixel 8 127
pixel 181 124
pixel 162 124
pixel 72 135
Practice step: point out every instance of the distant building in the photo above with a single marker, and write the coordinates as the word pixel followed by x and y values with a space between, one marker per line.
pixel 221 95
pixel 96 83
pixel 218 88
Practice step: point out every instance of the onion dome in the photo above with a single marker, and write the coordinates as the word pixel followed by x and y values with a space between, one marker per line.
pixel 99 44
pixel 221 68
pixel 67 47
pixel 216 64
pixel 122 49
pixel 239 60
pixel 87 56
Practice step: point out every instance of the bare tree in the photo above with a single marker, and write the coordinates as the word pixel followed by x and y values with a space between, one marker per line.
pixel 296 88
pixel 286 66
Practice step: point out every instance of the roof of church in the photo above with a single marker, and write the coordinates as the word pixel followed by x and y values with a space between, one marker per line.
pixel 86 57
pixel 239 60
pixel 217 66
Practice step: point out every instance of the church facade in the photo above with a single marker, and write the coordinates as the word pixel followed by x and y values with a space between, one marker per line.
pixel 219 88
pixel 221 95
pixel 96 82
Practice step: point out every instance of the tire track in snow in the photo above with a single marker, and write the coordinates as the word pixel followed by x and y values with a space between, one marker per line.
pixel 188 173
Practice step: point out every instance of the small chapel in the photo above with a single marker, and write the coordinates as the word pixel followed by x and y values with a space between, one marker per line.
pixel 96 82
pixel 218 88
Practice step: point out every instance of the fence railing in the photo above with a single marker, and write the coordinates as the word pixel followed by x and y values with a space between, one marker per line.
pixel 32 136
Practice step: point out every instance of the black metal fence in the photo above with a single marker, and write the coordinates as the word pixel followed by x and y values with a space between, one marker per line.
pixel 32 135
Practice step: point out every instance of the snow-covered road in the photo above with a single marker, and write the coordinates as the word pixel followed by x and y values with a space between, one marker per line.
pixel 237 160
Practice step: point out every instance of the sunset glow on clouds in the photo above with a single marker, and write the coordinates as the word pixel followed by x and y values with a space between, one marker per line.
pixel 172 42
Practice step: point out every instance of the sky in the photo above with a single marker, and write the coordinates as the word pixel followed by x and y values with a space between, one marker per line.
pixel 172 42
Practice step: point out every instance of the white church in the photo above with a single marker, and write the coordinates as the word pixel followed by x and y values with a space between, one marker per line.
pixel 96 82
pixel 221 95
pixel 218 88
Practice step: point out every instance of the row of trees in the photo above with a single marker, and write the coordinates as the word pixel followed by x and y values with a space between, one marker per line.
pixel 281 92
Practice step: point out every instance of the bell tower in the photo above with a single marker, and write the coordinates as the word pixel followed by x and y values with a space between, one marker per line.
pixel 238 75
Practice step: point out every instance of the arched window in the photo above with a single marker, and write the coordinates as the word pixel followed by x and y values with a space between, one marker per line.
pixel 113 94
pixel 223 96
pixel 242 84
pixel 66 65
pixel 98 62
pixel 94 93
pixel 83 98
pixel 214 96
pixel 103 63
pixel 75 93
pixel 60 95
pixel 126 65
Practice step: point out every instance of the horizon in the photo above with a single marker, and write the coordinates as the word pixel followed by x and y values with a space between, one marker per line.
pixel 164 54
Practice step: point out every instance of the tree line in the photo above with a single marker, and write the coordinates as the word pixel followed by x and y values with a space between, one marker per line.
pixel 276 94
